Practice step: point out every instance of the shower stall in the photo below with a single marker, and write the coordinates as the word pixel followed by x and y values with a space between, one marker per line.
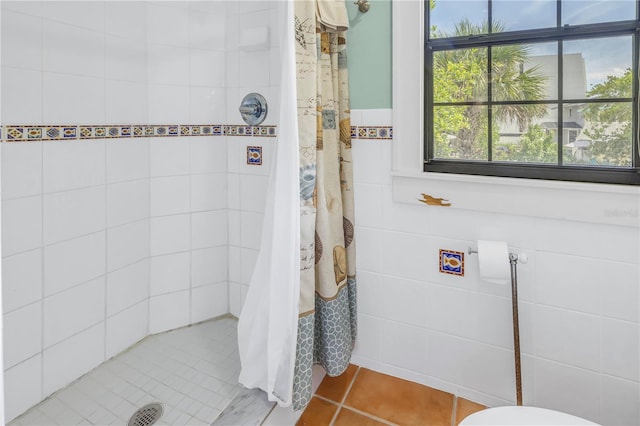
pixel 132 190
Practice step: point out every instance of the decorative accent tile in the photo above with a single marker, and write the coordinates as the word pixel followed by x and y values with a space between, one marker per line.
pixel 452 262
pixel 86 132
pixel 14 133
pixel 69 132
pixel 34 133
pixel 254 155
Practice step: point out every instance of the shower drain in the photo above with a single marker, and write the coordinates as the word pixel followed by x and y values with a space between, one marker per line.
pixel 147 415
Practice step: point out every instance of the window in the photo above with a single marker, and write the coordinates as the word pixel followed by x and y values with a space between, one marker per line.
pixel 543 89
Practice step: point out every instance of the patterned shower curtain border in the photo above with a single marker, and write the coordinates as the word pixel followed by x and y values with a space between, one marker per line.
pixel 57 132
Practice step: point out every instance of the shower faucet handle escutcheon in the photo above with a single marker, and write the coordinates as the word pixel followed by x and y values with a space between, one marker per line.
pixel 253 109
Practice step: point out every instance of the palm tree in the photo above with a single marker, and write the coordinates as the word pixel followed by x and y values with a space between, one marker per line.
pixel 461 76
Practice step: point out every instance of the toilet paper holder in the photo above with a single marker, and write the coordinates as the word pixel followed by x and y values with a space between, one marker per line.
pixel 513 260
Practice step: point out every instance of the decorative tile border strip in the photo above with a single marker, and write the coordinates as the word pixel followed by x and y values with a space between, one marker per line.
pixel 372 132
pixel 41 133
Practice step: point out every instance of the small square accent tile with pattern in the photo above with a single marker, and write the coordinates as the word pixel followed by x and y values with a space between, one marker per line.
pixel 452 262
pixel 254 155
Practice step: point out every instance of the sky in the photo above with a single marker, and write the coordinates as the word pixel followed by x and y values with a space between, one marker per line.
pixel 602 57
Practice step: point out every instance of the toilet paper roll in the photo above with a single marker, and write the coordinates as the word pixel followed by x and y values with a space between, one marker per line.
pixel 493 257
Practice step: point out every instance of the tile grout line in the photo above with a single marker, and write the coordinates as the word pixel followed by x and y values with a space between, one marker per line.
pixel 454 409
pixel 341 405
pixel 344 397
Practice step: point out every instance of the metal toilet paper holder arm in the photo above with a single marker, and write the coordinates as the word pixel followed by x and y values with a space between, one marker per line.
pixel 513 261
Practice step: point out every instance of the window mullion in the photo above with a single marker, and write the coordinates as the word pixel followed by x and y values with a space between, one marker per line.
pixel 560 118
pixel 490 104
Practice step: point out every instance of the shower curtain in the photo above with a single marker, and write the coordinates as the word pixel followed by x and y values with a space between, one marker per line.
pixel 300 309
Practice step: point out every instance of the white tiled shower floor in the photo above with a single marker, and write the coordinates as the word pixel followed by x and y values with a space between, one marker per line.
pixel 192 371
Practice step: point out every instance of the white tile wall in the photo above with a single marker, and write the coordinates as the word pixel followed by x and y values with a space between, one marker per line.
pixel 127 244
pixel 208 155
pixel 21 279
pixel 208 105
pixel 33 8
pixel 169 195
pixel 209 266
pixel 168 103
pixel 21 225
pixel 71 214
pixel 126 328
pixel 126 102
pixel 73 99
pixel 126 60
pixel 23 84
pixel 22 386
pixel 406 346
pixel 620 346
pixel 208 229
pixel 127 286
pixel 73 262
pixel 566 388
pixel 81 15
pixel 209 301
pixel 60 44
pixel 619 401
pixel 169 311
pixel 168 64
pixel 126 20
pixel 208 192
pixel 169 157
pixel 127 202
pixel 160 17
pixel 21 169
pixel 127 160
pixel 27 52
pixel 169 273
pixel 618 292
pixel 169 234
pixel 72 165
pixel 22 334
pixel 73 310
pixel 69 359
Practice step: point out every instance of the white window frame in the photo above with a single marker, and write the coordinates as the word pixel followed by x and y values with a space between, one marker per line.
pixel 588 202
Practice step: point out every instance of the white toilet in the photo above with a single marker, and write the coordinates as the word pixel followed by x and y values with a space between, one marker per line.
pixel 521 415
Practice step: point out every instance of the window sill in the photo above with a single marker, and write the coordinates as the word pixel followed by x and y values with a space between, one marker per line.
pixel 586 202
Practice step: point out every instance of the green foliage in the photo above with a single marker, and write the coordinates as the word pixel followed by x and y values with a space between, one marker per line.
pixel 534 146
pixel 461 76
pixel 610 126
